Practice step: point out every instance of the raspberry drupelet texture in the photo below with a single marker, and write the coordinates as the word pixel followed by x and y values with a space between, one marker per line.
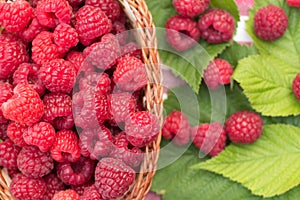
pixel 103 108
pixel 6 92
pixel 113 178
pixel 270 22
pixel 176 126
pixel 191 8
pixel 76 58
pixel 9 154
pixel 15 132
pixel 65 36
pixel 296 86
pixel 66 195
pixel 65 147
pixel 58 75
pixel 25 188
pixel 54 184
pixel 216 26
pixel 98 82
pixel 33 29
pixel 91 193
pixel 103 85
pixel 119 29
pixel 41 134
pixel 131 49
pixel 111 8
pixel 50 13
pixel 34 163
pixel 24 107
pixel 80 188
pixel 209 138
pixel 15 16
pixel 217 73
pixel 244 127
pixel 182 32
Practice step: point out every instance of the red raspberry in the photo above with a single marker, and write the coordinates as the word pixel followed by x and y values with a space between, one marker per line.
pixel 120 31
pixel 65 36
pixel 76 173
pixel 152 196
pixel 111 8
pixel 209 138
pixel 12 54
pixel 270 22
pixel 27 73
pixel 76 4
pixel 102 107
pixel 25 188
pixel 98 82
pixel 216 26
pixel 217 73
pixel 130 74
pixel 244 127
pixel 103 85
pixel 41 134
pixel 58 110
pixel 76 58
pixel 9 154
pixel 43 48
pixel 182 32
pixel 66 195
pixel 91 193
pixel 122 104
pixel 24 107
pixel 58 75
pixel 3 130
pixel 176 126
pixel 80 188
pixel 34 163
pixel 15 16
pixel 104 54
pixel 54 184
pixel 33 29
pixel 6 93
pixel 50 13
pixel 191 8
pixel 293 3
pixel 295 86
pixel 91 22
pixel 141 128
pixel 65 147
pixel 113 178
pixel 15 133
pixel 132 49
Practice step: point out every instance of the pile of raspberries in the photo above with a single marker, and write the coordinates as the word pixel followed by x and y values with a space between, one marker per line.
pixel 72 118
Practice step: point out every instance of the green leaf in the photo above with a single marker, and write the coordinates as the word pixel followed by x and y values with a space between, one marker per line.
pixel 267 82
pixel 268 167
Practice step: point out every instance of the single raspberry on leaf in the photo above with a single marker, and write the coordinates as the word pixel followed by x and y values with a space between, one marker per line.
pixel 9 154
pixel 15 132
pixel 296 86
pixel 209 138
pixel 244 127
pixel 111 8
pixel 41 134
pixel 6 92
pixel 91 193
pixel 65 36
pixel 66 195
pixel 34 163
pixel 176 126
pixel 15 16
pixel 293 3
pixel 32 30
pixel 25 188
pixel 54 184
pixel 24 107
pixel 182 32
pixel 191 8
pixel 270 22
pixel 113 178
pixel 216 26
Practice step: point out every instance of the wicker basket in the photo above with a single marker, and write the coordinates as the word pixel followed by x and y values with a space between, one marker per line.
pixel 141 19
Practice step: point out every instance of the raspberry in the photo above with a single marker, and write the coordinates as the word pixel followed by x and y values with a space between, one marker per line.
pixel 43 48
pixel 24 107
pixel 182 32
pixel 15 133
pixel 65 36
pixel 216 26
pixel 176 126
pixel 103 85
pixel 9 153
pixel 50 13
pixel 34 163
pixel 65 147
pixel 12 54
pixel 27 73
pixel 6 93
pixel 58 75
pixel 54 184
pixel 12 172
pixel 80 188
pixel 15 16
pixel 141 128
pixel 66 195
pixel 120 31
pixel 91 22
pixel 73 173
pixel 104 54
pixel 191 8
pixel 113 178
pixel 217 73
pixel 122 104
pixel 25 188
pixel 209 138
pixel 130 74
pixel 293 3
pixel 152 196
pixel 295 86
pixel 58 110
pixel 75 4
pixel 98 82
pixel 102 107
pixel 76 58
pixel 3 131
pixel 111 8
pixel 91 193
pixel 270 23
pixel 33 29
pixel 132 49
pixel 244 127
pixel 41 134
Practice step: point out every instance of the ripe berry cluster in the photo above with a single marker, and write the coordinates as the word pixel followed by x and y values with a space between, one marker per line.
pixel 64 63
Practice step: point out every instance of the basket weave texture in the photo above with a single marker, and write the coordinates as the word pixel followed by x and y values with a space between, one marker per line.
pixel 141 19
